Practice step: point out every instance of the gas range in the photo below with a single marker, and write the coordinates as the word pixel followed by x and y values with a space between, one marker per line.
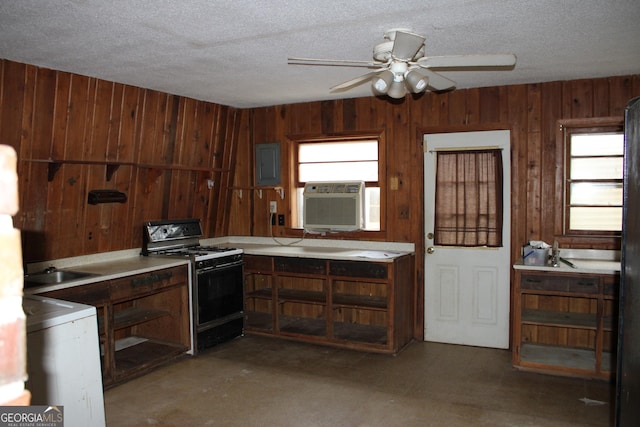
pixel 180 238
pixel 216 279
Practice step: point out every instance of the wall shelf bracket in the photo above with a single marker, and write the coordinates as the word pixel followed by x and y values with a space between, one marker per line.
pixel 110 170
pixel 52 169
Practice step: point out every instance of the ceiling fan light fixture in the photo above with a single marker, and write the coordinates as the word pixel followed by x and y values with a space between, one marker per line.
pixel 397 90
pixel 382 82
pixel 417 82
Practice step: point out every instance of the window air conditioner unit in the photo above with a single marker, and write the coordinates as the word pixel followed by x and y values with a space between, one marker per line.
pixel 333 206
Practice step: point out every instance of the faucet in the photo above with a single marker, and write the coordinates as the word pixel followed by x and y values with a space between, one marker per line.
pixel 555 254
pixel 49 269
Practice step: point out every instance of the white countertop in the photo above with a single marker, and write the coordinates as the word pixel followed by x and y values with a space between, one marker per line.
pixel 584 260
pixel 106 270
pixel 354 250
pixel 117 264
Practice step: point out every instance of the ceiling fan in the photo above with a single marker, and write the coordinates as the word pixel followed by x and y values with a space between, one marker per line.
pixel 400 65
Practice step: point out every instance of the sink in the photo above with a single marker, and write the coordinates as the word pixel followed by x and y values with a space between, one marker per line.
pixel 55 277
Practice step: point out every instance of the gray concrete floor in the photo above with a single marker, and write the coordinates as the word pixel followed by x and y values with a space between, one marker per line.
pixel 261 381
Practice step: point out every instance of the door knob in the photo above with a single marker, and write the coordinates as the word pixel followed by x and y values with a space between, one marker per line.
pixel 430 236
pixel 431 250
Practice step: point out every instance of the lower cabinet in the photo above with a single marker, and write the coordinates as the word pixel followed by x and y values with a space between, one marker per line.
pixel 565 323
pixel 355 304
pixel 143 320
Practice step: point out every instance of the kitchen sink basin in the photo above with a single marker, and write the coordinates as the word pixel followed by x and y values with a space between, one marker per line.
pixel 54 277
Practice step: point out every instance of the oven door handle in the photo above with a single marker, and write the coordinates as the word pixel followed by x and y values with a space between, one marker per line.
pixel 220 267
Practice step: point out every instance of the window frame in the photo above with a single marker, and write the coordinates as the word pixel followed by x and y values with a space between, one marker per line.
pixel 582 126
pixel 294 143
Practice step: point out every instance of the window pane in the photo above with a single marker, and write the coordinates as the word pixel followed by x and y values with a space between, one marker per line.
pixel 347 171
pixel 597 144
pixel 338 151
pixel 596 168
pixel 607 219
pixel 590 193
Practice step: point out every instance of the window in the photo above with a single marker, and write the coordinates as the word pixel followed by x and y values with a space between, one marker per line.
pixel 594 179
pixel 468 208
pixel 340 159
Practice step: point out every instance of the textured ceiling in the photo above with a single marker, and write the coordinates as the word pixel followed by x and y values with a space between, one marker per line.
pixel 235 52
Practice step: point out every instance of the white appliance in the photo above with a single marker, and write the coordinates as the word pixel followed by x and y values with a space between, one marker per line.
pixel 63 360
pixel 333 206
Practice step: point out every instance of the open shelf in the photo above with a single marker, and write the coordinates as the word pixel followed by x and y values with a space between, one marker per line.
pixel 560 319
pixel 565 323
pixel 567 357
pixel 134 316
pixel 54 166
pixel 303 296
pixel 360 301
pixel 265 293
pixel 302 325
pixel 140 353
pixel 361 333
pixel 342 303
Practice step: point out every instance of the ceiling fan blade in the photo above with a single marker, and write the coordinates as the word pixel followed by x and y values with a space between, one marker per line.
pixel 334 62
pixel 354 82
pixel 406 45
pixel 468 61
pixel 436 81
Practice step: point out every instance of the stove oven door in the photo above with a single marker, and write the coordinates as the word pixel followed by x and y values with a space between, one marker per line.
pixel 219 295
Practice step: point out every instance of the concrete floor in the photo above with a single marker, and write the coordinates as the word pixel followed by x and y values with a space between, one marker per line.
pixel 259 381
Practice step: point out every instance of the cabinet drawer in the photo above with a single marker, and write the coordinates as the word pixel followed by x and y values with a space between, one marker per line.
pixel 142 284
pixel 260 264
pixel 300 265
pixel 92 294
pixel 368 270
pixel 576 284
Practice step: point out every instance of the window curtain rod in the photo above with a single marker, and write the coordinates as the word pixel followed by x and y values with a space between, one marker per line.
pixel 444 150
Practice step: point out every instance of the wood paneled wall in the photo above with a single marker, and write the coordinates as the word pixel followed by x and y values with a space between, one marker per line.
pixel 162 149
pixel 529 111
pixel 159 149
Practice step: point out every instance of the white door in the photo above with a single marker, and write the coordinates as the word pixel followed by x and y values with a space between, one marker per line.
pixel 467 289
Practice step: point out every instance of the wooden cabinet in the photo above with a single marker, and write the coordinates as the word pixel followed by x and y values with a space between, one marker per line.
pixel 565 323
pixel 365 305
pixel 143 320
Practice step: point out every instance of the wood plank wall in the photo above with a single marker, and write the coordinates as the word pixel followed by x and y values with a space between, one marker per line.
pixel 169 146
pixel 529 111
pixel 161 149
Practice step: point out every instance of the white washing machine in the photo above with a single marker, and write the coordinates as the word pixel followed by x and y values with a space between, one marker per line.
pixel 63 359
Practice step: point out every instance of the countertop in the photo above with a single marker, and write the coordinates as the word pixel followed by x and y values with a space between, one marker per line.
pixel 117 264
pixel 323 253
pixel 584 260
pixel 106 270
pixel 353 250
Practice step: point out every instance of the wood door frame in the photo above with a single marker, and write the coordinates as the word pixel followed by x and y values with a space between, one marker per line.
pixel 419 292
